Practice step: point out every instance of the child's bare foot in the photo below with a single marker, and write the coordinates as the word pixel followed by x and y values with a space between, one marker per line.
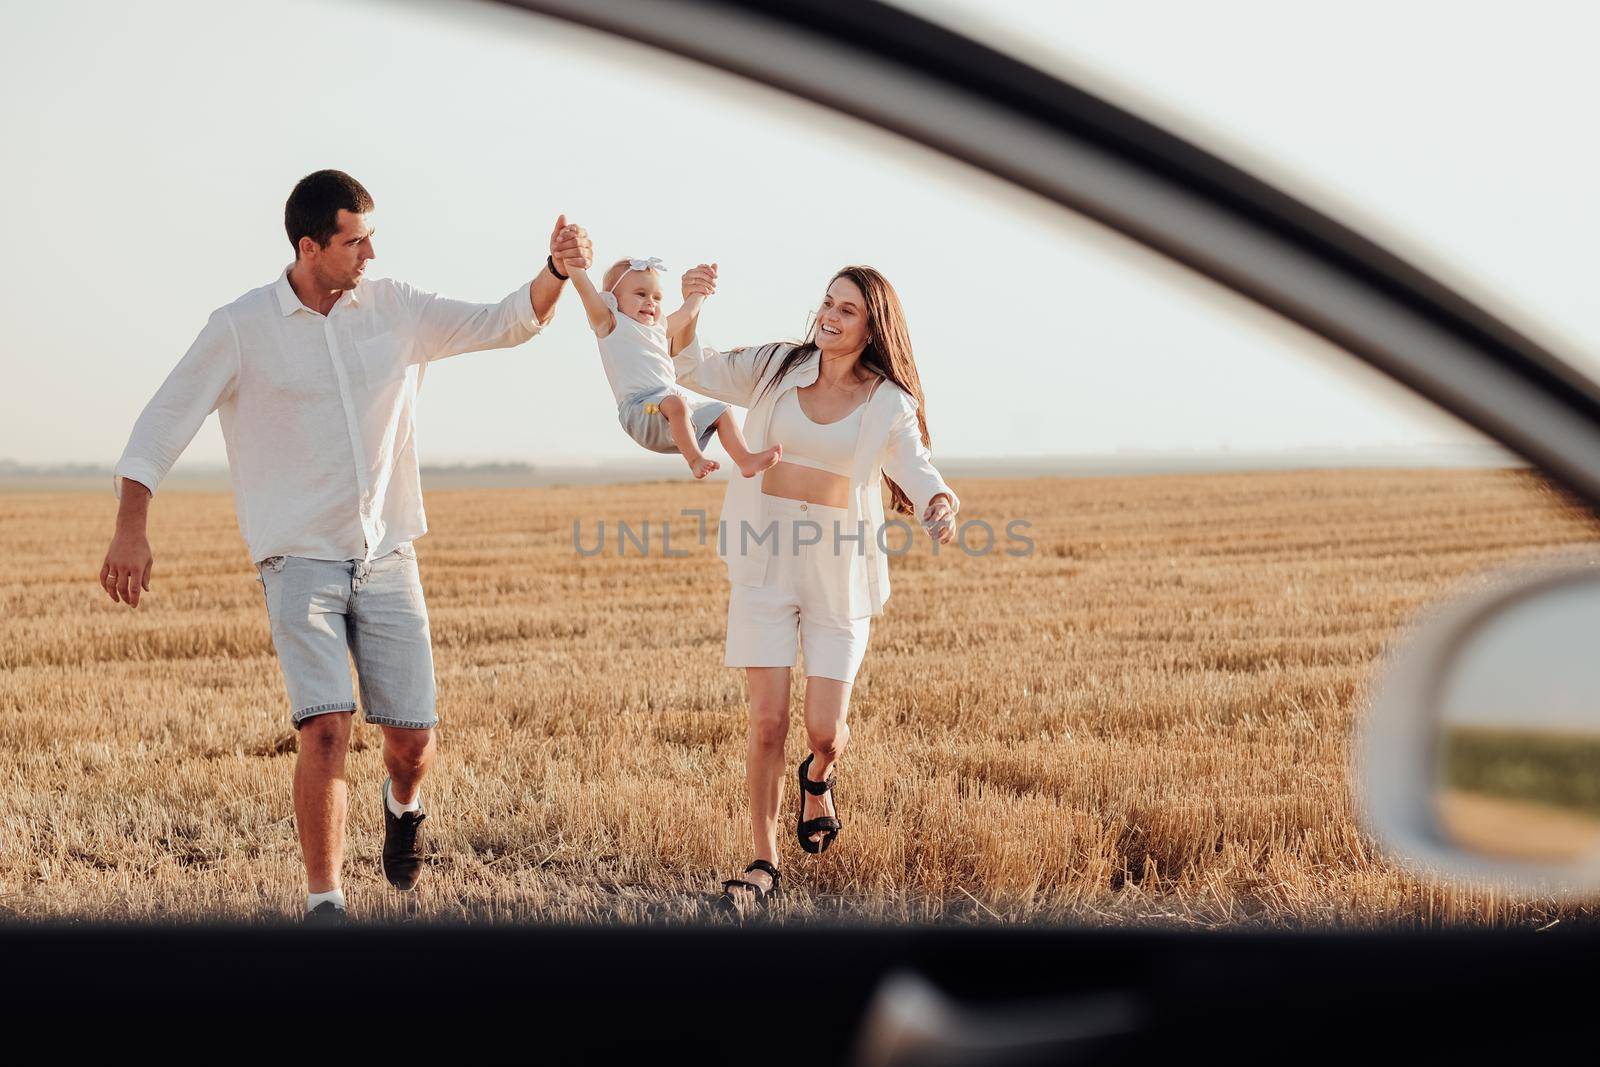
pixel 702 465
pixel 760 461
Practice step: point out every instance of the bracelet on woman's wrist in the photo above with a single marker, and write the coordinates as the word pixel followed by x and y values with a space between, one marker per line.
pixel 550 265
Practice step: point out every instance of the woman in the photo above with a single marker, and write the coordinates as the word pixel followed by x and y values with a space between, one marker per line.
pixel 806 555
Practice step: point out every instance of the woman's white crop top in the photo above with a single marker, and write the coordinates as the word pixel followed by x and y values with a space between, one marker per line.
pixel 828 446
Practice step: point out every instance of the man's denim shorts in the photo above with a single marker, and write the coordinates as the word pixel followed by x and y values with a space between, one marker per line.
pixel 324 613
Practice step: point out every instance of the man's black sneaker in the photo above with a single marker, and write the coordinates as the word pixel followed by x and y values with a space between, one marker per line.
pixel 402 844
pixel 326 914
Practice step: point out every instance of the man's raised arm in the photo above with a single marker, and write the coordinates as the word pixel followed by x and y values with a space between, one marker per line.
pixel 569 251
pixel 447 327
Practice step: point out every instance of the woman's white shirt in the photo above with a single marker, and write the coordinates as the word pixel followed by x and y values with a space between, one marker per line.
pixel 889 442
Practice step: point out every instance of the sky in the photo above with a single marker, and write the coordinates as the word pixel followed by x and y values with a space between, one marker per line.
pixel 1532 668
pixel 150 149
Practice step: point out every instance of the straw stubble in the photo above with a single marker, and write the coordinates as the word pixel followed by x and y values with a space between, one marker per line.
pixel 1145 719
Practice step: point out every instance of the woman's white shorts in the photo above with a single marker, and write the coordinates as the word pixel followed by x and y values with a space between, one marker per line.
pixel 797 609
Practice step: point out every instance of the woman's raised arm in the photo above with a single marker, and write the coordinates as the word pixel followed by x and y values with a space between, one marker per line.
pixel 731 376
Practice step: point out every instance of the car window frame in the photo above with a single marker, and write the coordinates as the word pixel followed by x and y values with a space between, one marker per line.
pixel 922 81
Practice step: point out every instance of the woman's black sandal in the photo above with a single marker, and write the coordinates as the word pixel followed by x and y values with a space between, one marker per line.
pixel 827 825
pixel 762 892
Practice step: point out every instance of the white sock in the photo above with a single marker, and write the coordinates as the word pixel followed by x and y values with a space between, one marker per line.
pixel 395 807
pixel 335 895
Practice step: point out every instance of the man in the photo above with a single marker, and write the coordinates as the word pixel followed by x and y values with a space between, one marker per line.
pixel 315 377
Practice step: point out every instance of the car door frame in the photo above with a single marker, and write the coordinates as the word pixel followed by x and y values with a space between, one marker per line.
pixel 927 83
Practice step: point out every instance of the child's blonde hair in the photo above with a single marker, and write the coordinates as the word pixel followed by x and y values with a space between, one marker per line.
pixel 615 272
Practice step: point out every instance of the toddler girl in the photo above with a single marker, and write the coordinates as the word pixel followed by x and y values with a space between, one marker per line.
pixel 636 353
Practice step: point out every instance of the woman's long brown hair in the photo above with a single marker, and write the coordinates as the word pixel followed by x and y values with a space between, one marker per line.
pixel 888 352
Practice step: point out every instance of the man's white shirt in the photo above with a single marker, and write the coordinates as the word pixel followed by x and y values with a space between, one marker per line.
pixel 318 411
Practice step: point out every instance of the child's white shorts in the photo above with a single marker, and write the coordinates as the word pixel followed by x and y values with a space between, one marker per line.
pixel 799 607
pixel 642 419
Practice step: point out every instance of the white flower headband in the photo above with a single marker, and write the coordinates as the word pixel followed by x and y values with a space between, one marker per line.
pixel 653 263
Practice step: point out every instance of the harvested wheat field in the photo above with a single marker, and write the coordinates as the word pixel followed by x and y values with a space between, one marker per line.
pixel 1146 719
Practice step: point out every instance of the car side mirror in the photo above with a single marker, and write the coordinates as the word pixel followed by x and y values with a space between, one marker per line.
pixel 1480 755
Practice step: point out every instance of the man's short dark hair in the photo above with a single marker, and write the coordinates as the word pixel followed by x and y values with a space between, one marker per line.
pixel 314 206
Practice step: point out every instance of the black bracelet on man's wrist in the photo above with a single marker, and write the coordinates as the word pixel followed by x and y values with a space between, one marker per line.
pixel 550 265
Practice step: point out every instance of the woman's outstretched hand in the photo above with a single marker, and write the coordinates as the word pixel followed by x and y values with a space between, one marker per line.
pixel 939 520
pixel 700 281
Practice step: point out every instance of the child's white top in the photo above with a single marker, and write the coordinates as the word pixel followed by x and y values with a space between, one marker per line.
pixel 637 358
